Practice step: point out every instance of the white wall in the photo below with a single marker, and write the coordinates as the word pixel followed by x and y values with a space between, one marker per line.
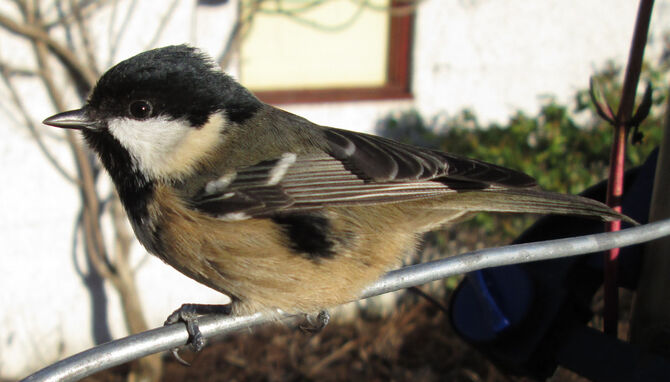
pixel 496 57
pixel 491 56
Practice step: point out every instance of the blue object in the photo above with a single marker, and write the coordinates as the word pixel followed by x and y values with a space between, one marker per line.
pixel 499 297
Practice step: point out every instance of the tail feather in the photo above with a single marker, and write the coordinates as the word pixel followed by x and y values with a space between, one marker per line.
pixel 533 200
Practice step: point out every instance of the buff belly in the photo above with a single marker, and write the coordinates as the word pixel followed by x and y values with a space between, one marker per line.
pixel 254 262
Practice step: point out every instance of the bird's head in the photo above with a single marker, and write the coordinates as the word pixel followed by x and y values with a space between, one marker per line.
pixel 156 114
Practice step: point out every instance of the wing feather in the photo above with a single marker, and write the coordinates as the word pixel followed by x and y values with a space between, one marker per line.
pixel 355 169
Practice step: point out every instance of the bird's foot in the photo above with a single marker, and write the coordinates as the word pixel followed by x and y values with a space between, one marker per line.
pixel 188 314
pixel 314 324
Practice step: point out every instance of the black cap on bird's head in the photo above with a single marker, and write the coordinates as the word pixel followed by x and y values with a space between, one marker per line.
pixel 177 82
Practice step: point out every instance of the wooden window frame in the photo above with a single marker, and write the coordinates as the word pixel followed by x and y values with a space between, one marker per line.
pixel 397 84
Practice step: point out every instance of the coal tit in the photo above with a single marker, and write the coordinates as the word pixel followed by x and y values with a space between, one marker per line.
pixel 265 206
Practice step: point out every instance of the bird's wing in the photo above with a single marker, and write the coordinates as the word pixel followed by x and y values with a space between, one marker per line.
pixel 354 169
pixel 384 160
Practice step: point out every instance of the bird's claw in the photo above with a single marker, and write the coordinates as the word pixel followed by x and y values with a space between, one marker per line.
pixel 315 324
pixel 188 314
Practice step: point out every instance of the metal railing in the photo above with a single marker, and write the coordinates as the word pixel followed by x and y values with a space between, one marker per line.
pixel 164 338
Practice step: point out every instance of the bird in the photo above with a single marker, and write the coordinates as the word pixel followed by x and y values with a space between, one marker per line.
pixel 275 211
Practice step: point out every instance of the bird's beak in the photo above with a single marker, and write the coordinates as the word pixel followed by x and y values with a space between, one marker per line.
pixel 73 119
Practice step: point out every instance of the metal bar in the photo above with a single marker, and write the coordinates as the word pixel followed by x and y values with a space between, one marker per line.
pixel 156 340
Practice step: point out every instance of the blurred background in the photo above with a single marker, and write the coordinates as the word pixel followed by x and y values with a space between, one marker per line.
pixel 501 81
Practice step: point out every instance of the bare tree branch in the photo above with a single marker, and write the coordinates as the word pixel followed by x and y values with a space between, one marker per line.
pixel 162 24
pixel 114 267
pixel 80 72
pixel 87 9
pixel 115 41
pixel 32 127
pixel 85 37
pixel 11 71
pixel 238 32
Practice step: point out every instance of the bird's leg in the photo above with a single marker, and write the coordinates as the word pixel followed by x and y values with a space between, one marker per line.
pixel 188 314
pixel 314 324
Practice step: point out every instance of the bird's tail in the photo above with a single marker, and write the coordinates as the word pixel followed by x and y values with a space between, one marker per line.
pixel 538 201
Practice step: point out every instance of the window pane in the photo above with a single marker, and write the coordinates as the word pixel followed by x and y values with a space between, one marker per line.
pixel 335 44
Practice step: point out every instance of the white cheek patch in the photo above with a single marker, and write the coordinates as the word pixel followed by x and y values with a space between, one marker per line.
pixel 163 148
pixel 149 142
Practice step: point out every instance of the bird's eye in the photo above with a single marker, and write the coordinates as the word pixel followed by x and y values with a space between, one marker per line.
pixel 140 109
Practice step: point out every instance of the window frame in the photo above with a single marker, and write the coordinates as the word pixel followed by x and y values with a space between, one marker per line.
pixel 397 85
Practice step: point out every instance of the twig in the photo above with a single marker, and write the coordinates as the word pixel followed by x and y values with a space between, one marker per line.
pixel 162 24
pixel 85 37
pixel 87 9
pixel 332 357
pixel 92 231
pixel 238 32
pixel 80 72
pixel 115 41
pixel 32 128
pixel 10 70
pixel 418 291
